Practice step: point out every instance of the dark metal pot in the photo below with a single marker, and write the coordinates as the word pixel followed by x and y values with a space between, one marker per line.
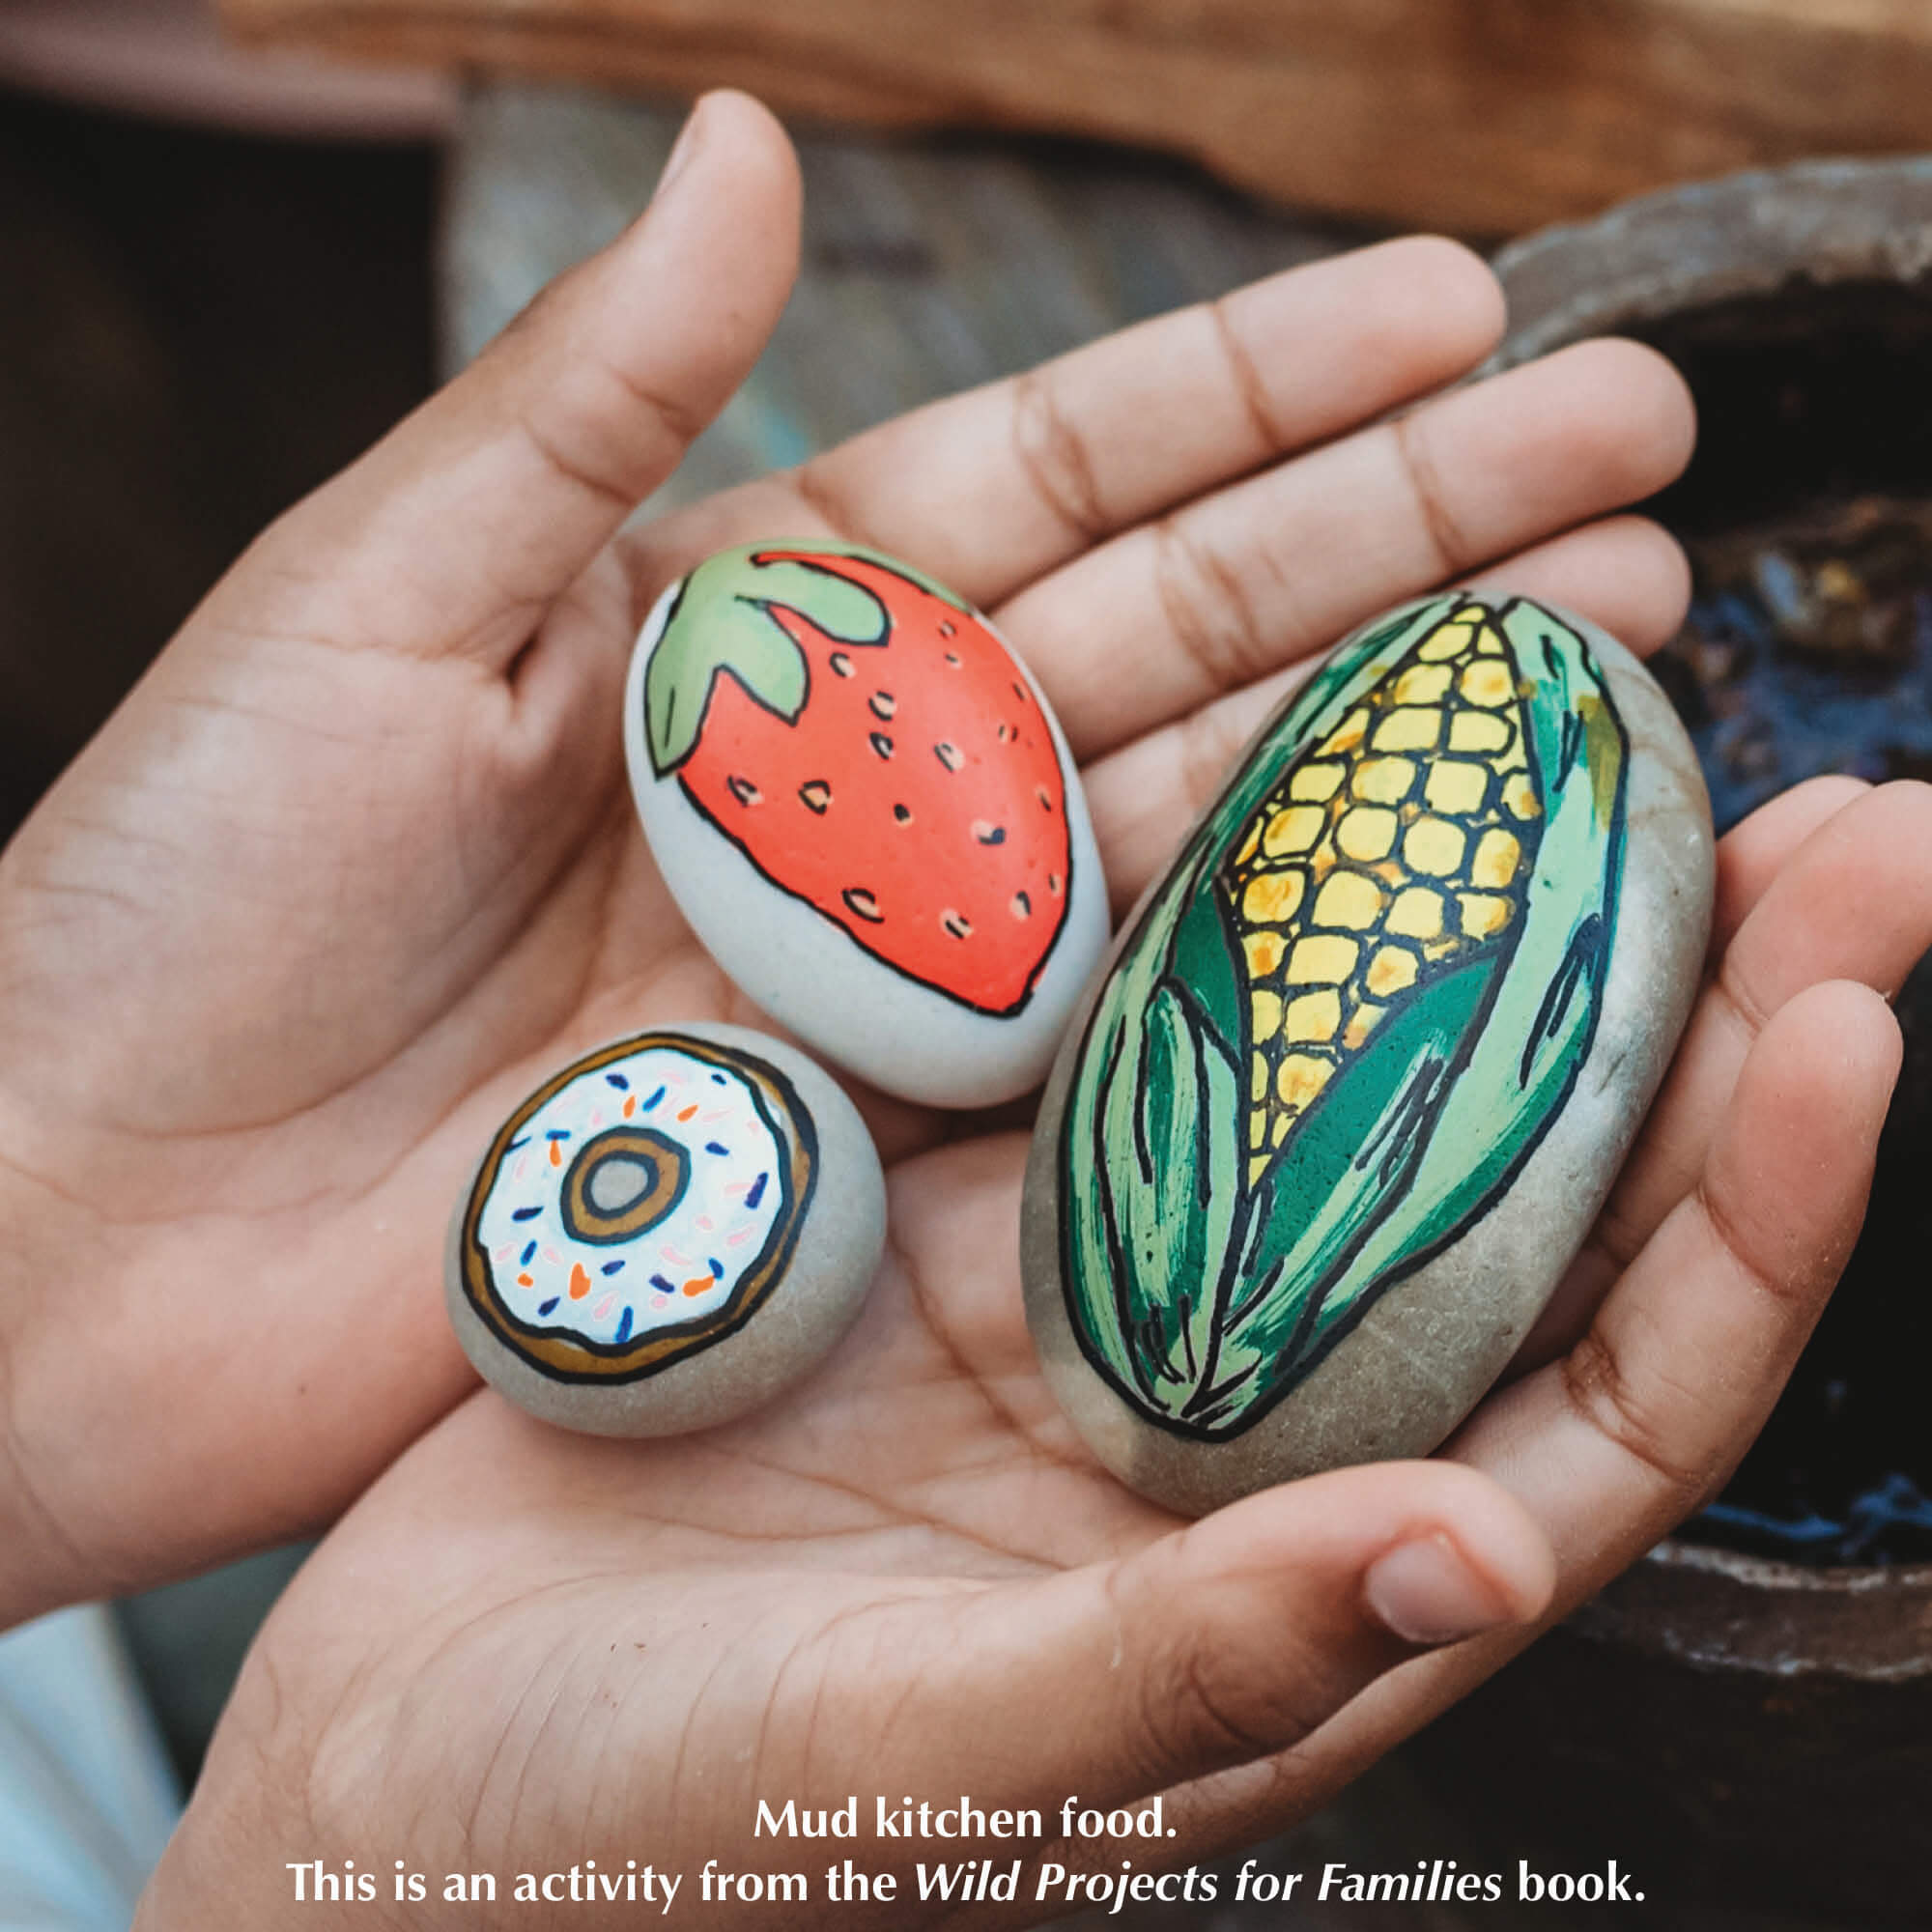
pixel 1749 1732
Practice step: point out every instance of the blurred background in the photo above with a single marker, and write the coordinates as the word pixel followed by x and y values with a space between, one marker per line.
pixel 237 248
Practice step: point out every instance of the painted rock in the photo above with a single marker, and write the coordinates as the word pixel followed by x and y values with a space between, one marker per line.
pixel 666 1234
pixel 1366 1061
pixel 867 812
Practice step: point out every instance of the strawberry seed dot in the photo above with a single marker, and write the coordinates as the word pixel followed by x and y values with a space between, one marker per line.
pixel 955 922
pixel 947 755
pixel 840 663
pixel 815 795
pixel 881 744
pixel 744 790
pixel 1021 907
pixel 883 703
pixel 904 813
pixel 862 904
pixel 988 835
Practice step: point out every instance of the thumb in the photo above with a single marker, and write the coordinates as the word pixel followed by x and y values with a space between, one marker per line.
pixel 456 531
pixel 1234 1639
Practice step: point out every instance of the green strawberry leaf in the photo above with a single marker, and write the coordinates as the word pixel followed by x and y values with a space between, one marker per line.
pixel 724 623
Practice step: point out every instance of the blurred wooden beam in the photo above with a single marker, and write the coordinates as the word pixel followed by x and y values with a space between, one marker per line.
pixel 1479 116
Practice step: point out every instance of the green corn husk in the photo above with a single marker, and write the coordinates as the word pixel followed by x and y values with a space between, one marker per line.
pixel 1205 1292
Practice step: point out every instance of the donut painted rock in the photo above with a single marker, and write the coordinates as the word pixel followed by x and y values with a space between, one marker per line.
pixel 1366 1060
pixel 867 812
pixel 666 1234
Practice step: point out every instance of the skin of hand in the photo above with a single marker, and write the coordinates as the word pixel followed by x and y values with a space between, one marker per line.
pixel 355 866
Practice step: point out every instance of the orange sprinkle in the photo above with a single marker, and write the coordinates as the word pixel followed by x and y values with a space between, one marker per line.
pixel 688 1111
pixel 524 1281
pixel 556 1153
pixel 579 1281
pixel 630 1105
pixel 698 1285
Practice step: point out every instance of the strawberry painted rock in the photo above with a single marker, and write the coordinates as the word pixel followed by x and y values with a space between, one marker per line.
pixel 867 812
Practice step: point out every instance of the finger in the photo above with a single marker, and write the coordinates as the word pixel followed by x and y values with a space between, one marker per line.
pixel 990 489
pixel 457 531
pixel 1613 1446
pixel 1157 622
pixel 1224 1641
pixel 1854 902
pixel 1758 847
pixel 1624 573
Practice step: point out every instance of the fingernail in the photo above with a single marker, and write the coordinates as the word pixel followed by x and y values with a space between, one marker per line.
pixel 682 149
pixel 1426 1592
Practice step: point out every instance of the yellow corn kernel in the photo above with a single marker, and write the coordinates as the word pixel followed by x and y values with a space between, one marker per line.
pixel 1263 950
pixel 1344 737
pixel 1409 729
pixel 1258 1080
pixel 1422 684
pixel 1390 971
pixel 1417 914
pixel 1480 731
pixel 1325 960
pixel 1300 1078
pixel 1271 897
pixel 1267 1009
pixel 1519 796
pixel 1497 856
pixel 1257 1129
pixel 1435 846
pixel 1347 899
pixel 1456 787
pixel 1292 830
pixel 1450 641
pixel 1315 1016
pixel 1383 781
pixel 1483 913
pixel 1315 784
pixel 1366 832
pixel 1361 1023
pixel 1487 683
pixel 1280 1133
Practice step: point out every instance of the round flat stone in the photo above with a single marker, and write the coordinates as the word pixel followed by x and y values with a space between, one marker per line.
pixel 868 814
pixel 1363 1065
pixel 667 1233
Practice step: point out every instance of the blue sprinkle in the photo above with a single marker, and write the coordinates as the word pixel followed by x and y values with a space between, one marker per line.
pixel 654 1099
pixel 624 1326
pixel 717 1267
pixel 716 1147
pixel 525 1213
pixel 755 1192
pixel 612 1268
pixel 557 1134
pixel 658 1281
pixel 618 1081
pixel 519 1141
pixel 545 1307
pixel 523 1258
pixel 720 1079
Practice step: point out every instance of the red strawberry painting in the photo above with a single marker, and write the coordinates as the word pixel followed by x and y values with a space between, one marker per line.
pixel 872 749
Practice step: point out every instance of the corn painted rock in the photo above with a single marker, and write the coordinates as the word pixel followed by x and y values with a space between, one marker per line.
pixel 666 1234
pixel 868 814
pixel 1366 1059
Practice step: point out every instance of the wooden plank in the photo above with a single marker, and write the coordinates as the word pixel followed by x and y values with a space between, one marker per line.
pixel 1479 116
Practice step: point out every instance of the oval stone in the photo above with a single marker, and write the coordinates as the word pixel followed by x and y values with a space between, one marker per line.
pixel 1366 1060
pixel 867 812
pixel 666 1234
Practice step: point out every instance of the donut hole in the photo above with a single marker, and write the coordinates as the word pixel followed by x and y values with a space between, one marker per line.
pixel 622 1182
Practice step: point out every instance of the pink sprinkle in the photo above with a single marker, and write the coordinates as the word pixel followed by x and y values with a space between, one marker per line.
pixel 603 1308
pixel 738 1240
pixel 737 1187
pixel 705 1222
pixel 671 1255
pixel 660 1302
pixel 596 1118
pixel 552 1256
pixel 717 1114
pixel 521 1168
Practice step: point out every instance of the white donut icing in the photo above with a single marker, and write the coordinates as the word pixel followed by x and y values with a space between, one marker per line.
pixel 682 1267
